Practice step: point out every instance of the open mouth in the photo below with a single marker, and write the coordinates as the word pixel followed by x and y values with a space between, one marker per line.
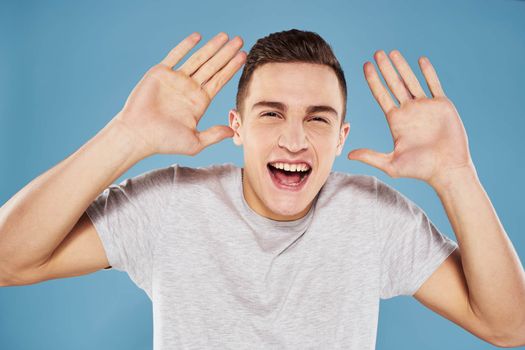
pixel 292 179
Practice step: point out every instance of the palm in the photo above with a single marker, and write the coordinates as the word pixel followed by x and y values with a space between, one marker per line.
pixel 429 137
pixel 161 95
pixel 163 110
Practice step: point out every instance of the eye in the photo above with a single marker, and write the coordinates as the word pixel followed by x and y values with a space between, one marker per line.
pixel 271 114
pixel 323 120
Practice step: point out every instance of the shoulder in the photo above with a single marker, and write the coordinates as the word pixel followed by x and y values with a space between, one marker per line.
pixel 196 175
pixel 361 185
pixel 210 170
pixel 177 174
pixel 389 197
pixel 345 186
pixel 153 178
pixel 351 182
pixel 215 183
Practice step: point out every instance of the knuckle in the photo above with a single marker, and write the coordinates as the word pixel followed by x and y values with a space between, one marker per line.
pixel 444 103
pixel 384 99
pixel 197 57
pixel 212 85
pixel 398 85
pixel 205 98
pixel 393 112
pixel 180 76
pixel 157 70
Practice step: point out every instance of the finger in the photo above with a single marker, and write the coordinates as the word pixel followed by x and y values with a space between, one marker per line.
pixel 394 82
pixel 431 77
pixel 378 90
pixel 214 134
pixel 203 54
pixel 181 50
pixel 225 54
pixel 376 159
pixel 407 74
pixel 216 83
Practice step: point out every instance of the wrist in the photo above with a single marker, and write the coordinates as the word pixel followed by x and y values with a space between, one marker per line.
pixel 454 178
pixel 128 139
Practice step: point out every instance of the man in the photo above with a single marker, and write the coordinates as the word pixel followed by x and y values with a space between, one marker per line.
pixel 282 253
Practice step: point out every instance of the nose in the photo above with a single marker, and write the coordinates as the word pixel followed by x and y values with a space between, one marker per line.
pixel 293 137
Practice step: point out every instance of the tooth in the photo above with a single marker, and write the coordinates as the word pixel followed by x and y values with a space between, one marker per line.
pixel 291 167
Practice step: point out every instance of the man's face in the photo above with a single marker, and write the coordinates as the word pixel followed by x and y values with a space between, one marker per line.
pixel 291 115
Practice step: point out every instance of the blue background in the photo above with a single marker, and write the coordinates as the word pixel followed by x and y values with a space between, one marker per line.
pixel 66 69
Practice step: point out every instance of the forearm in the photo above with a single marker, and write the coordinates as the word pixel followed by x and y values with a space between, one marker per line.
pixel 493 271
pixel 37 218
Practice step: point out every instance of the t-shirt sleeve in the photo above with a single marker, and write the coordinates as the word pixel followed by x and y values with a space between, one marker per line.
pixel 412 248
pixel 128 218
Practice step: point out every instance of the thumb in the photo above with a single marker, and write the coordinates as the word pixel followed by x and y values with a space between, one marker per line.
pixel 214 134
pixel 376 159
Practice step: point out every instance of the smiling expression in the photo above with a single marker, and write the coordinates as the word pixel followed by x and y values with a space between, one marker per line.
pixel 291 119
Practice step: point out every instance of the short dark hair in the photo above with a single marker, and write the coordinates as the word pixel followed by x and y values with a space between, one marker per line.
pixel 286 47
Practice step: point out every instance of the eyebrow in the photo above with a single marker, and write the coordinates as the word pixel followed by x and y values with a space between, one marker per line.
pixel 281 106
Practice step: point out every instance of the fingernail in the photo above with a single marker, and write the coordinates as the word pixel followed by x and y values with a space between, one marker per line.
pixel 239 39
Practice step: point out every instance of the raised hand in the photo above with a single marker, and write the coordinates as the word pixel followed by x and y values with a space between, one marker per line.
pixel 429 137
pixel 163 110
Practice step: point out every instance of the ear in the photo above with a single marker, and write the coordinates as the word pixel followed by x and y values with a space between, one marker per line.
pixel 343 134
pixel 236 124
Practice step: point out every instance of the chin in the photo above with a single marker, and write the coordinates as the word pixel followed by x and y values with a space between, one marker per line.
pixel 287 209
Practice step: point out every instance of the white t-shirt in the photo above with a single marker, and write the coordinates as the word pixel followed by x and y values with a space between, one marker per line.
pixel 221 276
